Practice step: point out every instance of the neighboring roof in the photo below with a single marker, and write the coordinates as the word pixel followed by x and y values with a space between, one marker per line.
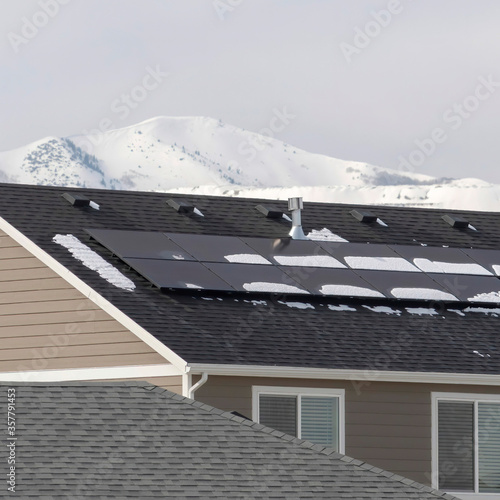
pixel 259 329
pixel 135 440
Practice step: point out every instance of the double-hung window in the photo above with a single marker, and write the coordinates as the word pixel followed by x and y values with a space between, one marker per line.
pixel 313 414
pixel 466 444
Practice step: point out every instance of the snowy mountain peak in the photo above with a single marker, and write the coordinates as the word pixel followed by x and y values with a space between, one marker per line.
pixel 205 155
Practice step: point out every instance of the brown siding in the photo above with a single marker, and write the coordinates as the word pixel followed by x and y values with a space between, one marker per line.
pixel 386 424
pixel 45 323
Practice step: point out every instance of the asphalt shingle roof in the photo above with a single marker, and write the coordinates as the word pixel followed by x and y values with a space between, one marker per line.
pixel 270 330
pixel 135 440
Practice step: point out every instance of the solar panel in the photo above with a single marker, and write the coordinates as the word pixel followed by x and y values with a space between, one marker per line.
pixel 338 282
pixel 288 252
pixel 489 259
pixel 139 244
pixel 364 256
pixel 440 260
pixel 218 248
pixel 484 289
pixel 255 278
pixel 412 286
pixel 177 274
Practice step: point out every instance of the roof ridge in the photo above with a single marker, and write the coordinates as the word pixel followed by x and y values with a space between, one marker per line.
pixel 303 443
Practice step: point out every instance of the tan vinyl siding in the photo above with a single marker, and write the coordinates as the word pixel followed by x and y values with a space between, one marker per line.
pixel 386 424
pixel 45 323
pixel 172 383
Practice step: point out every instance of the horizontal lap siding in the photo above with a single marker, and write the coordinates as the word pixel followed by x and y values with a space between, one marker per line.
pixel 45 323
pixel 387 424
pixel 172 383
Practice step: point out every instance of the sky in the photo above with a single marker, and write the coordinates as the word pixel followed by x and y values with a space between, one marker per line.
pixel 412 85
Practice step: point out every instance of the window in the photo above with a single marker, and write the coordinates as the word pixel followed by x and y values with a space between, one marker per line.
pixel 308 413
pixel 466 443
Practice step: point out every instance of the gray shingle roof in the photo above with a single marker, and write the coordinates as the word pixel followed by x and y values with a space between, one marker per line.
pixel 233 329
pixel 135 440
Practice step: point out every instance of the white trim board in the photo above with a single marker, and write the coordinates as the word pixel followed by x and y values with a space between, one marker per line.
pixel 91 294
pixel 77 374
pixel 358 376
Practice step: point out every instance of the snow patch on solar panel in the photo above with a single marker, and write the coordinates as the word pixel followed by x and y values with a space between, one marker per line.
pixel 430 266
pixel 493 297
pixel 422 294
pixel 309 261
pixel 381 263
pixel 246 258
pixel 349 290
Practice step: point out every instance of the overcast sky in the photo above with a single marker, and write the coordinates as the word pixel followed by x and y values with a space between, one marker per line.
pixel 405 84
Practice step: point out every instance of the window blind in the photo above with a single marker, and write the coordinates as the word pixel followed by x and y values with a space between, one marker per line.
pixel 279 412
pixel 456 445
pixel 319 420
pixel 489 447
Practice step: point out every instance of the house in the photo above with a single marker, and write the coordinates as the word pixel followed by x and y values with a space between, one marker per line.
pixel 136 440
pixel 377 338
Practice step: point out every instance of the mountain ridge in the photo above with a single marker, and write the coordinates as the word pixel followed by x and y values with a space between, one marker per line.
pixel 205 155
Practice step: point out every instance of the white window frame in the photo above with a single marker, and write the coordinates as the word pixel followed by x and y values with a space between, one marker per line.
pixel 459 397
pixel 257 390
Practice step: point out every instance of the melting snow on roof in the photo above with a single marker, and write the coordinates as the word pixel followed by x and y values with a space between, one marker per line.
pixel 192 285
pixel 297 305
pixel 308 261
pixel 198 212
pixel 457 311
pixel 349 290
pixel 246 258
pixel 262 286
pixel 381 263
pixel 94 261
pixel 383 309
pixel 325 235
pixel 493 297
pixel 93 205
pixel 429 266
pixel 482 355
pixel 485 310
pixel 422 311
pixel 340 307
pixel 421 294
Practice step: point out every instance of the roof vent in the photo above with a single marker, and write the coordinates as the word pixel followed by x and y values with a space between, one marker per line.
pixel 295 205
pixel 181 206
pixel 364 215
pixel 455 221
pixel 269 212
pixel 77 200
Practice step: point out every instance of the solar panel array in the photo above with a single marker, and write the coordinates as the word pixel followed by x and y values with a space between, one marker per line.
pixel 286 266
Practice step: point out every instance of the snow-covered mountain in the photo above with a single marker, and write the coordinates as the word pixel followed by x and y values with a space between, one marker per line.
pixel 203 155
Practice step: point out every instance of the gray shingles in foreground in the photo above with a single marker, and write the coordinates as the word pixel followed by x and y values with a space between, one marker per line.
pixel 123 440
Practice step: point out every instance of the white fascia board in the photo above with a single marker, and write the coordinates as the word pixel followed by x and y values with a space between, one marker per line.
pixel 359 376
pixel 91 294
pixel 116 372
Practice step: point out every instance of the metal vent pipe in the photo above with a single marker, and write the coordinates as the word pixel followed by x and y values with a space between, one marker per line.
pixel 295 205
